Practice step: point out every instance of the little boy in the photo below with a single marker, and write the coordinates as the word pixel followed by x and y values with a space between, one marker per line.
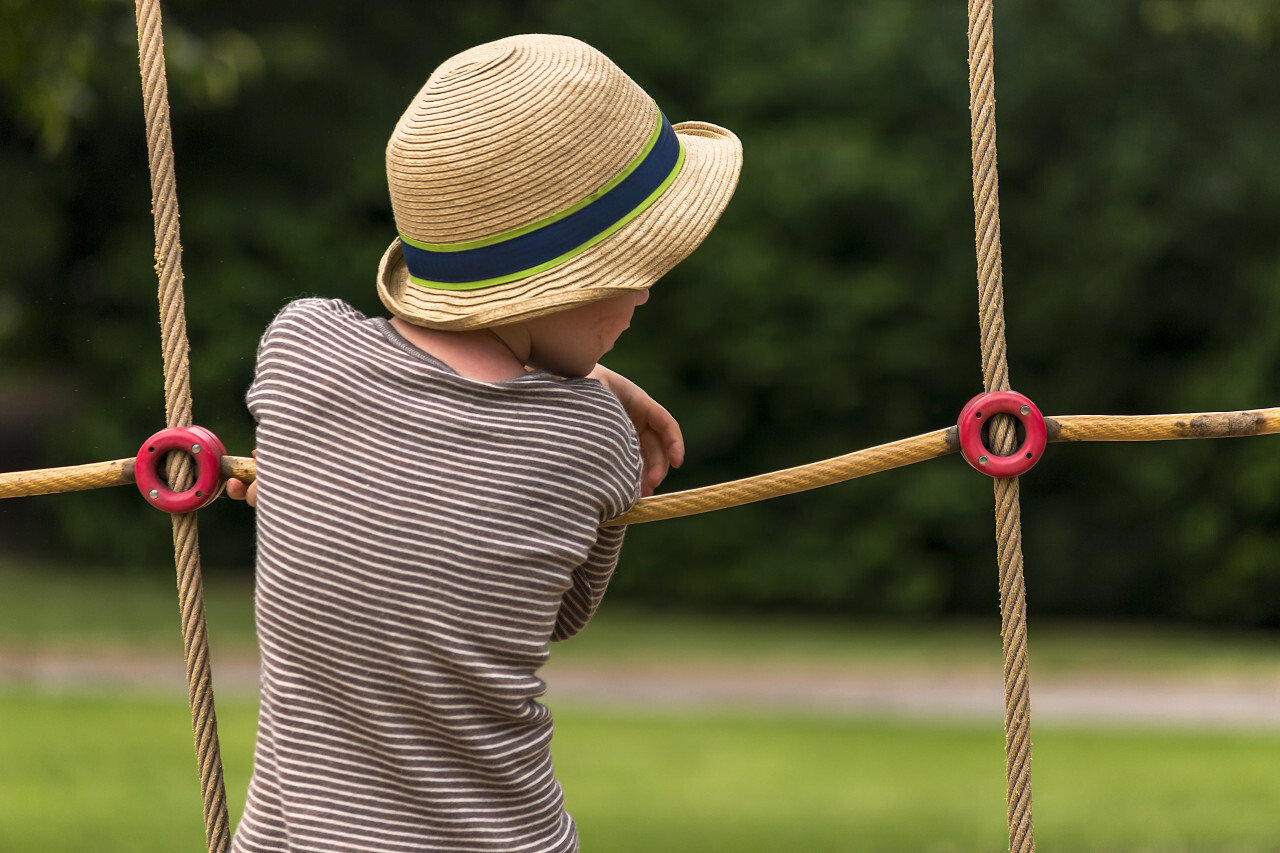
pixel 432 487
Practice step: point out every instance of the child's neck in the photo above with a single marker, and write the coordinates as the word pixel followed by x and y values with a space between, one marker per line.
pixel 479 354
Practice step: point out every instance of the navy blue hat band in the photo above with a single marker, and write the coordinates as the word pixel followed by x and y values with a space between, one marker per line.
pixel 547 243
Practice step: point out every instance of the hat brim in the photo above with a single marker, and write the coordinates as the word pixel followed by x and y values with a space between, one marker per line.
pixel 632 259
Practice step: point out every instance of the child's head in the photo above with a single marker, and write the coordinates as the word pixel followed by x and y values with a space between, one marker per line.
pixel 529 176
pixel 571 341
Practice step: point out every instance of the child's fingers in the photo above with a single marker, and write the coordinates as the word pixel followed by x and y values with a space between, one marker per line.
pixel 675 450
pixel 668 432
pixel 237 490
pixel 653 453
pixel 652 417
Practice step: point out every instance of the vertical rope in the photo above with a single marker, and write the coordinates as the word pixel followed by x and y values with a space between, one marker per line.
pixel 177 394
pixel 995 376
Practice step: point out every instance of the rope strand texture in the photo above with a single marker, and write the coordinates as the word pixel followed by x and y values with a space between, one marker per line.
pixel 1063 428
pixel 995 373
pixel 177 395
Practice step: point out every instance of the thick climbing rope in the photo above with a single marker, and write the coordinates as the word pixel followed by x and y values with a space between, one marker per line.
pixel 860 463
pixel 177 397
pixel 932 445
pixel 995 377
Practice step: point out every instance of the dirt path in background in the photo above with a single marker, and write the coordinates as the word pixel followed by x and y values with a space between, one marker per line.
pixel 1216 702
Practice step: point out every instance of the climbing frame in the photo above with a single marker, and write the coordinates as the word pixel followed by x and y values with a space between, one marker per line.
pixel 196 471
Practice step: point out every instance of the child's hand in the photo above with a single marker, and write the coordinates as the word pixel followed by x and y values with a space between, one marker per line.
pixel 661 443
pixel 237 490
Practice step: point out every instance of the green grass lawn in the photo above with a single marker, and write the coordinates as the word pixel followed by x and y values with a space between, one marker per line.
pixel 116 773
pixel 55 608
pixel 51 608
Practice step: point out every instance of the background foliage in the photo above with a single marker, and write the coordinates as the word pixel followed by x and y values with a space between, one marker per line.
pixel 833 308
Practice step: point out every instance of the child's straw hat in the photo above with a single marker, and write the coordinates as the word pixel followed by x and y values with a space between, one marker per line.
pixel 531 174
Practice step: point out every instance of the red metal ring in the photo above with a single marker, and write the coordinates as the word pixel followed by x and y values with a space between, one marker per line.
pixel 979 410
pixel 205 450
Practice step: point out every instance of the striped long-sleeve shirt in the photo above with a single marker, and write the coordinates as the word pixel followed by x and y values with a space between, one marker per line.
pixel 421 539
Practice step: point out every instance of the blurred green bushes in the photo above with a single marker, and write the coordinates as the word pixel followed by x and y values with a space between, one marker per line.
pixel 834 307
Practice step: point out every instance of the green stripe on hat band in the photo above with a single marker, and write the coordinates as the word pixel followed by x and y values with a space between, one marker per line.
pixel 555 262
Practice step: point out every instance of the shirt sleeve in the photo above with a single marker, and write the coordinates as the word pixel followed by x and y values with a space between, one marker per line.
pixel 286 344
pixel 272 360
pixel 589 583
pixel 590 580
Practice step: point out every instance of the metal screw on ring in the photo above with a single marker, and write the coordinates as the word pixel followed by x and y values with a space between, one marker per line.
pixel 1026 410
pixel 195 448
pixel 982 460
pixel 153 494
